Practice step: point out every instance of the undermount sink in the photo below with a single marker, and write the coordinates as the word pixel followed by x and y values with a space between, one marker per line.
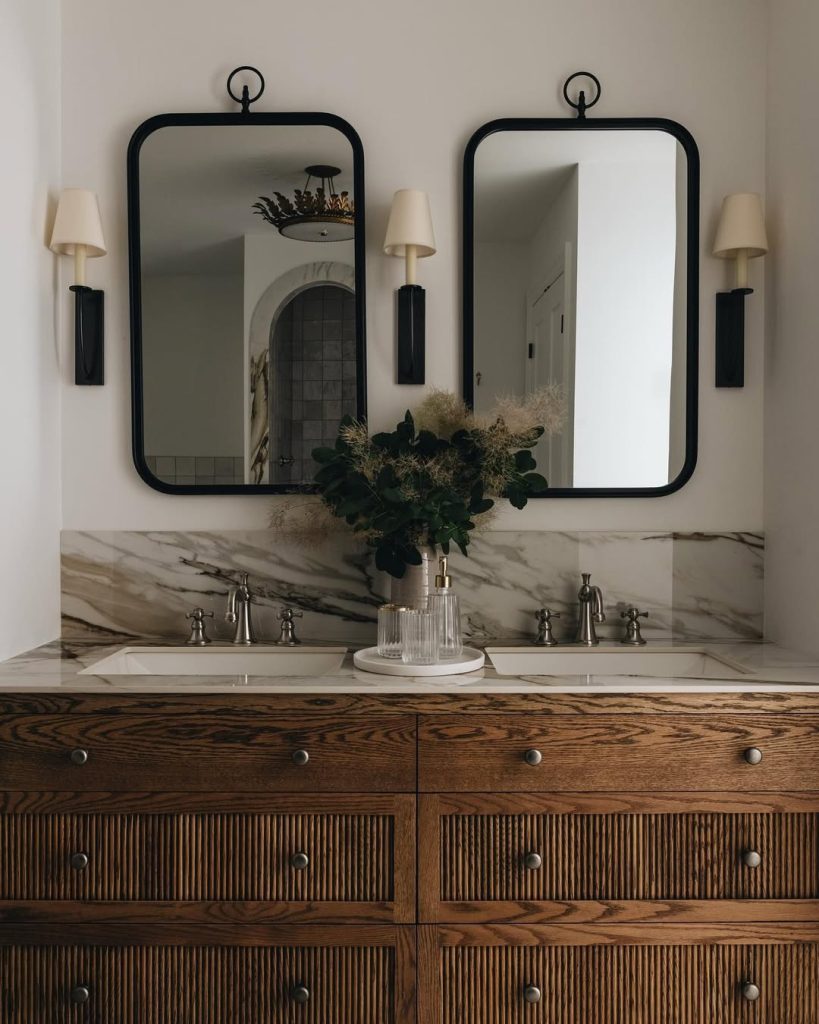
pixel 690 663
pixel 220 661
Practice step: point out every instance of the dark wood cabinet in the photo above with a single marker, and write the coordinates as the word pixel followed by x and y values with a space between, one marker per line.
pixel 556 859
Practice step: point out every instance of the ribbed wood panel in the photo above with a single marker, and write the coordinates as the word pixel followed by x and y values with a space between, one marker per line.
pixel 196 985
pixel 197 857
pixel 630 984
pixel 629 856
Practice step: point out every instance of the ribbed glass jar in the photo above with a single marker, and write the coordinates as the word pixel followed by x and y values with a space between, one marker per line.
pixel 419 636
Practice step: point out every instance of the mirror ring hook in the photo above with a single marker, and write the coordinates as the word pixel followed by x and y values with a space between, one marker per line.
pixel 580 105
pixel 245 99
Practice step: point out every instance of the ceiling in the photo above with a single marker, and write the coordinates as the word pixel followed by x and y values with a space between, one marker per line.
pixel 519 174
pixel 198 184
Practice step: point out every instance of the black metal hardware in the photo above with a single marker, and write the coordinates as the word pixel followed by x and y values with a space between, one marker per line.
pixel 300 861
pixel 245 99
pixel 730 338
pixel 581 106
pixel 79 995
pixel 300 993
pixel 692 271
pixel 411 334
pixel 142 133
pixel 88 334
pixel 300 757
pixel 78 861
pixel 79 756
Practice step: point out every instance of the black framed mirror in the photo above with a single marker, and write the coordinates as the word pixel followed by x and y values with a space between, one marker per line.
pixel 246 243
pixel 581 272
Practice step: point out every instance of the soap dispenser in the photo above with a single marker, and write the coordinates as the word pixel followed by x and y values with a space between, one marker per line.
pixel 443 601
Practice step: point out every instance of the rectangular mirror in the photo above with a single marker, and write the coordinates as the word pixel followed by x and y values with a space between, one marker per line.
pixel 247 297
pixel 581 271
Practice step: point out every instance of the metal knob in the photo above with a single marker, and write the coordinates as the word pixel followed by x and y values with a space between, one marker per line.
pixel 751 859
pixel 79 861
pixel 533 861
pixel 300 861
pixel 753 755
pixel 300 757
pixel 533 756
pixel 79 994
pixel 300 994
pixel 79 756
pixel 532 994
pixel 750 991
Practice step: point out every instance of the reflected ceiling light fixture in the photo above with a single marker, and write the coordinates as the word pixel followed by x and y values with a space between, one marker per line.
pixel 317 215
pixel 741 236
pixel 410 235
pixel 77 232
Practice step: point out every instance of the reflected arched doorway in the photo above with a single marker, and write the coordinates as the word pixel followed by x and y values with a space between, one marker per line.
pixel 312 381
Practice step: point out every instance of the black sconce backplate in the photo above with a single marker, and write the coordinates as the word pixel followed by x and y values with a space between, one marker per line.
pixel 730 338
pixel 88 334
pixel 411 353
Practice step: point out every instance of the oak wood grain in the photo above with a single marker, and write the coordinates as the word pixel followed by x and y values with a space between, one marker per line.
pixel 206 752
pixel 615 753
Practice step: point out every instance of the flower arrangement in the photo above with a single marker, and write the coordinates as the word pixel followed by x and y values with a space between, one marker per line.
pixel 436 477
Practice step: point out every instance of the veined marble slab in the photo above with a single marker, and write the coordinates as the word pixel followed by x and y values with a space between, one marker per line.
pixel 127 584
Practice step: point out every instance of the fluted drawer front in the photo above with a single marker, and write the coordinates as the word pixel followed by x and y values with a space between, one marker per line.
pixel 204 752
pixel 628 984
pixel 349 857
pixel 206 985
pixel 618 753
pixel 483 857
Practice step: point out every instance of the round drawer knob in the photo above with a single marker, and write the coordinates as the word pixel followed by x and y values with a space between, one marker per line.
pixel 79 861
pixel 300 861
pixel 300 994
pixel 300 757
pixel 533 756
pixel 751 859
pixel 532 994
pixel 533 860
pixel 750 991
pixel 79 756
pixel 753 755
pixel 80 994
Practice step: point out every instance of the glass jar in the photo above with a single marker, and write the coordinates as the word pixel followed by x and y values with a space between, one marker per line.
pixel 389 630
pixel 419 636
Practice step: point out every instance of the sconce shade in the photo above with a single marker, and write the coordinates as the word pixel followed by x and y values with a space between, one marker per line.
pixel 78 223
pixel 741 226
pixel 410 223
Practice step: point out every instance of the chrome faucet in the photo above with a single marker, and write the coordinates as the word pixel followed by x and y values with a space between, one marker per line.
pixel 591 611
pixel 238 611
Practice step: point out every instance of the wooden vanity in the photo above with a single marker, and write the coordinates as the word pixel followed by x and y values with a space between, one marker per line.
pixel 377 858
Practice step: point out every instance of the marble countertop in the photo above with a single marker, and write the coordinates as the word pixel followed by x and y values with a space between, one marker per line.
pixel 55 667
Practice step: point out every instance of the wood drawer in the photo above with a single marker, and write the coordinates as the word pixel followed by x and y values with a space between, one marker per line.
pixel 208 859
pixel 203 752
pixel 650 753
pixel 359 975
pixel 534 858
pixel 619 975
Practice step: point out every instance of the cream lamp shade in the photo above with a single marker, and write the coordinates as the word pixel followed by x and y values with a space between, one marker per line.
pixel 409 230
pixel 741 232
pixel 78 229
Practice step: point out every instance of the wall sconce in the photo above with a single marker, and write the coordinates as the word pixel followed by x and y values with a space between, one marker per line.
pixel 740 236
pixel 409 234
pixel 78 233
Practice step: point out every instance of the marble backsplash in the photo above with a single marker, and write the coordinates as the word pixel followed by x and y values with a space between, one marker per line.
pixel 124 584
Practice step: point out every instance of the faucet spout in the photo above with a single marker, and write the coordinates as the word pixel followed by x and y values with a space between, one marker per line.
pixel 238 611
pixel 590 599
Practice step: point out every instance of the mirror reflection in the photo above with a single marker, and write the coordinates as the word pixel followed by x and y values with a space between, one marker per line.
pixel 580 281
pixel 251 347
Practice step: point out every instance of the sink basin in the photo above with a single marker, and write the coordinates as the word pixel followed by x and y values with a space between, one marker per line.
pixel 219 661
pixel 689 663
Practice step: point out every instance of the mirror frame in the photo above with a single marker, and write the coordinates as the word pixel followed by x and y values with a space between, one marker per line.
pixel 549 124
pixel 146 129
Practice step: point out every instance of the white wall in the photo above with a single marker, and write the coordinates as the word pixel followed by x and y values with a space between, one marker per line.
pixel 624 321
pixel 791 409
pixel 415 84
pixel 29 373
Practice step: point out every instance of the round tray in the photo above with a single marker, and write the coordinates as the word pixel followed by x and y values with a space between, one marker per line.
pixel 371 661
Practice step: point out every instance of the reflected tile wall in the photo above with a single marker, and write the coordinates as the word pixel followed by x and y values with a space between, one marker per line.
pixel 132 584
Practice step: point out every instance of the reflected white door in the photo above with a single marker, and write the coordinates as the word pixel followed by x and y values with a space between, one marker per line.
pixel 551 361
